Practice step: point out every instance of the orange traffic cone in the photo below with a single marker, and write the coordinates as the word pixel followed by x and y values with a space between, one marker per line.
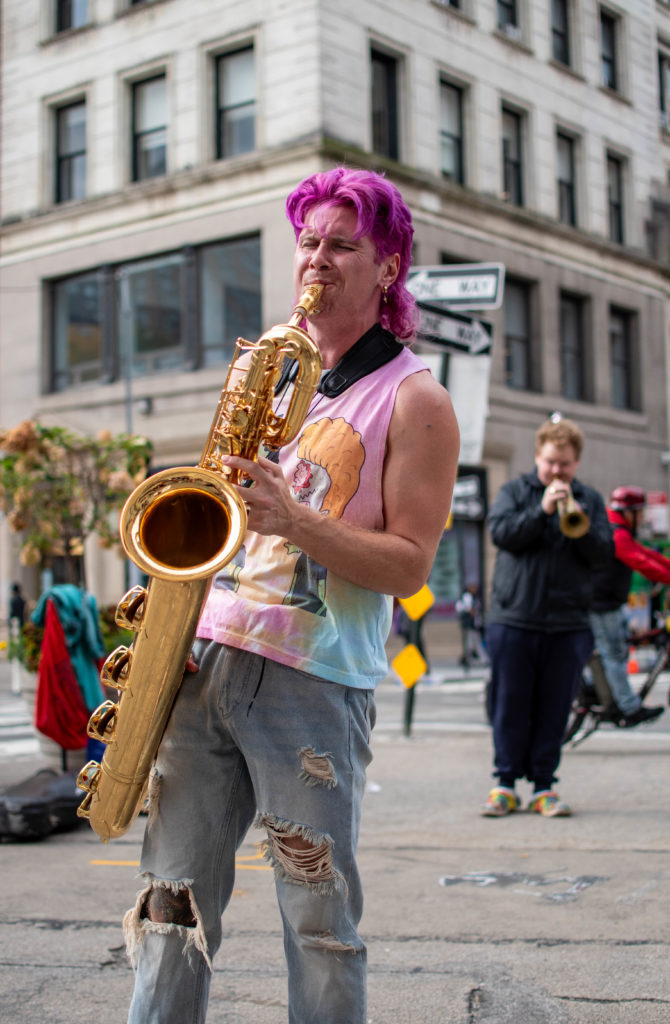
pixel 633 665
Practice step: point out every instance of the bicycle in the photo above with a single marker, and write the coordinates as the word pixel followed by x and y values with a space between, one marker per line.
pixel 594 704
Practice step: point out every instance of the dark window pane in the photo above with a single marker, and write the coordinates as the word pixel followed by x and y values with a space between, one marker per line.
pixel 512 157
pixel 71 152
pixel 507 13
pixel 608 59
pixel 451 132
pixel 384 105
pixel 77 331
pixel 565 176
pixel 621 355
pixel 150 306
pixel 572 347
pixel 615 198
pixel 149 128
pixel 236 103
pixel 560 36
pixel 517 335
pixel 71 14
pixel 230 297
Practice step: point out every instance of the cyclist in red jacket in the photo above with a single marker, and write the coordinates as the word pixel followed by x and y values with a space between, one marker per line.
pixel 611 589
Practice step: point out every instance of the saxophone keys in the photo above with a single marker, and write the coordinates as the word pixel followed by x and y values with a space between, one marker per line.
pixel 116 668
pixel 89 779
pixel 130 609
pixel 102 724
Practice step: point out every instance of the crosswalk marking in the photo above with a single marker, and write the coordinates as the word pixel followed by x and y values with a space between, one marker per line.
pixel 17 733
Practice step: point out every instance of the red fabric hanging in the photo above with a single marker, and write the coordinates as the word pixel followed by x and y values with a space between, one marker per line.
pixel 60 712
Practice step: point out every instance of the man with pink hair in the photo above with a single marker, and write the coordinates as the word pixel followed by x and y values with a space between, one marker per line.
pixel 274 725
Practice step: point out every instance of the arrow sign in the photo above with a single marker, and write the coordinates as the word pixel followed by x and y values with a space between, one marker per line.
pixel 459 286
pixel 453 331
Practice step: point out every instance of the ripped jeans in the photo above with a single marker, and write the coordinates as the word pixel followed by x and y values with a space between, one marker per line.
pixel 252 739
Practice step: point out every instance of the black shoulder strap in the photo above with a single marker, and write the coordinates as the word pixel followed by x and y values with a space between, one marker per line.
pixel 376 348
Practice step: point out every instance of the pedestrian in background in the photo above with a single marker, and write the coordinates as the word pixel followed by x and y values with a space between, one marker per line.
pixel 468 609
pixel 610 595
pixel 538 637
pixel 17 608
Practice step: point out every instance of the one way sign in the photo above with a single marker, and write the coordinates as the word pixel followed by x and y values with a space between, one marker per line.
pixel 453 331
pixel 459 286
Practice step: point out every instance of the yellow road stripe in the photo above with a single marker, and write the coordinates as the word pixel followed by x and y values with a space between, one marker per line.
pixel 136 863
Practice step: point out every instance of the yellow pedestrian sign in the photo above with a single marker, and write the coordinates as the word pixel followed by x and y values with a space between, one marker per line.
pixel 409 665
pixel 418 604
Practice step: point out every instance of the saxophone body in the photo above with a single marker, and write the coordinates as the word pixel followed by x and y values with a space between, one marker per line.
pixel 180 527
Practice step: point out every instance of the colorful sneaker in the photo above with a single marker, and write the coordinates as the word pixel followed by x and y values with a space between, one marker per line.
pixel 549 804
pixel 501 801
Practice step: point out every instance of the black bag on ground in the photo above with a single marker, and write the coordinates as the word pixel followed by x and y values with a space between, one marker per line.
pixel 44 803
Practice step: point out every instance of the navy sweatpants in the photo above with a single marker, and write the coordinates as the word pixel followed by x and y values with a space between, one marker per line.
pixel 534 678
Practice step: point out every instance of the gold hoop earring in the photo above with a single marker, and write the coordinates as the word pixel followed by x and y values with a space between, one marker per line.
pixel 386 294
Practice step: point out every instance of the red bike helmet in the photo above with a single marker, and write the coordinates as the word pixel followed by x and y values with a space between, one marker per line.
pixel 623 498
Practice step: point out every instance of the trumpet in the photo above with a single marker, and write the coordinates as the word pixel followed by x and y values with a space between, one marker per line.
pixel 573 522
pixel 181 527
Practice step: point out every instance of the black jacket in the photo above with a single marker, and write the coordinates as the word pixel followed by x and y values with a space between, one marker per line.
pixel 542 580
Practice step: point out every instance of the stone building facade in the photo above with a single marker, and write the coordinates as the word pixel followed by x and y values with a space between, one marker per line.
pixel 147 149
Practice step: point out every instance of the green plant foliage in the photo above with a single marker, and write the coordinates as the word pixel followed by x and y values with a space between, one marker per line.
pixel 58 487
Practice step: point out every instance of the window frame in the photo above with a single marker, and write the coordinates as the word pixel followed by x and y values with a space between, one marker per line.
pixel 509 112
pixel 390 147
pixel 628 377
pixel 561 33
pixel 59 18
pixel 567 189
pixel 576 349
pixel 663 70
pixel 219 108
pixel 616 205
pixel 136 136
pixel 521 342
pixel 115 359
pixel 60 158
pixel 458 140
pixel 610 70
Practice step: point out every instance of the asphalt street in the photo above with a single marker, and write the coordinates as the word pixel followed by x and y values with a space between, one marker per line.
pixel 468 920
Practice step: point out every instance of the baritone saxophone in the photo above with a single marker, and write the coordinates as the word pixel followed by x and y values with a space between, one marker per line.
pixel 180 527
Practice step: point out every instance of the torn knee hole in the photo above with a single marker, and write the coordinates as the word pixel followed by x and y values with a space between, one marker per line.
pixel 300 854
pixel 162 906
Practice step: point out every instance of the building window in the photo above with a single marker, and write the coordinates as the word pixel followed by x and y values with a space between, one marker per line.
pixel 174 312
pixel 149 300
pixel 622 361
pixel 608 50
pixel 384 104
pixel 71 14
pixel 230 297
pixel 574 370
pixel 615 197
pixel 235 103
pixel 451 132
pixel 149 99
pixel 560 31
pixel 71 152
pixel 565 178
pixel 664 87
pixel 507 16
pixel 517 335
pixel 76 331
pixel 512 156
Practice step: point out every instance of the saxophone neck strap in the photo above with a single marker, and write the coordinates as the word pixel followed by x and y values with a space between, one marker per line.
pixel 376 348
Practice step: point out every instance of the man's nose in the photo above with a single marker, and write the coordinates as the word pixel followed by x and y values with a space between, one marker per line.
pixel 320 257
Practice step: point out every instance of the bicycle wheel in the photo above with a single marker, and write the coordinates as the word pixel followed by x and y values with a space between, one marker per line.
pixel 576 720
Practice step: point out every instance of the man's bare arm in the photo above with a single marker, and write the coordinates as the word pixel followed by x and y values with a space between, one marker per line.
pixel 419 471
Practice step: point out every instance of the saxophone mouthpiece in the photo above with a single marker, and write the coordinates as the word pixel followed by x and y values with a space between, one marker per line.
pixel 308 301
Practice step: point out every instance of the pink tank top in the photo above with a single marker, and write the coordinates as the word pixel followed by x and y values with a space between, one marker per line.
pixel 274 600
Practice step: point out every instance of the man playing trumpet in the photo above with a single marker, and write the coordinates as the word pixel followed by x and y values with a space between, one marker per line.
pixel 551 531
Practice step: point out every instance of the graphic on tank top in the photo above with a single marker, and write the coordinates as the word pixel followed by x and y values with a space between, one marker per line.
pixel 327 475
